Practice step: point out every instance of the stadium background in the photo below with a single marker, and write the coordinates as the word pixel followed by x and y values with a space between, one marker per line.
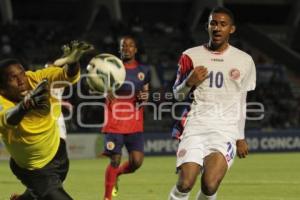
pixel 269 30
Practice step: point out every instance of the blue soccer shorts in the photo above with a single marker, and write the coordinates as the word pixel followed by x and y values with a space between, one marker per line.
pixel 113 143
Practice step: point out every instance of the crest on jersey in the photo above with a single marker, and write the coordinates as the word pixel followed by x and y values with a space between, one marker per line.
pixel 141 76
pixel 234 74
pixel 181 153
pixel 110 145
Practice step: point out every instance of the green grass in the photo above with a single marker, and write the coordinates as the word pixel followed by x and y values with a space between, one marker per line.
pixel 259 177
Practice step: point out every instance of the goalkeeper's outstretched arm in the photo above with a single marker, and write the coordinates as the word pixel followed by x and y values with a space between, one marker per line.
pixel 72 54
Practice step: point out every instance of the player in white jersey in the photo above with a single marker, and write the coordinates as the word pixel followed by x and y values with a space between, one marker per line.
pixel 219 76
pixel 57 93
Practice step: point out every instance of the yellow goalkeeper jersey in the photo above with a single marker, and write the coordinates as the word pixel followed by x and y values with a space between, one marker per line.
pixel 34 142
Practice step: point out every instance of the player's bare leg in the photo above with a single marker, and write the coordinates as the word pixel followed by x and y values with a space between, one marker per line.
pixel 134 162
pixel 215 168
pixel 187 177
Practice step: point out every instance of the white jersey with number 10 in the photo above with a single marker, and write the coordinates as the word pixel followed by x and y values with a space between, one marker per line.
pixel 219 101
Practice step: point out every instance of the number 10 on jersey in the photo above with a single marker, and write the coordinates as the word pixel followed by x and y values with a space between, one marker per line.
pixel 216 79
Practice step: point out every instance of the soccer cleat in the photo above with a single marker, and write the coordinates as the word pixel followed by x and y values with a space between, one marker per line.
pixel 115 189
pixel 114 192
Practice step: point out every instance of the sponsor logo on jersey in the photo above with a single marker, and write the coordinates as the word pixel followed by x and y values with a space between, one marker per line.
pixel 217 59
pixel 234 74
pixel 181 153
pixel 110 145
pixel 141 76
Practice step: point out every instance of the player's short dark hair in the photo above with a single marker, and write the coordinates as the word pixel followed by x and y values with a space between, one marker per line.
pixel 131 37
pixel 224 10
pixel 4 64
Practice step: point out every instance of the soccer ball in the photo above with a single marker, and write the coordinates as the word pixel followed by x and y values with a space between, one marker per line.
pixel 106 73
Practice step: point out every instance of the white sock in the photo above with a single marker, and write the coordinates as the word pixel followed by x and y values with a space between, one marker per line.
pixel 176 195
pixel 201 196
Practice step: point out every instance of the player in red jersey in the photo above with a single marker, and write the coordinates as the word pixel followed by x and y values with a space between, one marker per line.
pixel 124 114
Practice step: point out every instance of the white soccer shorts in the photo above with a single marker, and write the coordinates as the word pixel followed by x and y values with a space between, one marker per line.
pixel 195 148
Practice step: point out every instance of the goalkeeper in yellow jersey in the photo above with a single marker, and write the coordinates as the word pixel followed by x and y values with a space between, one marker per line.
pixel 28 123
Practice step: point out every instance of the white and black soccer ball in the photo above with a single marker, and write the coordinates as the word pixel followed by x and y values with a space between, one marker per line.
pixel 106 73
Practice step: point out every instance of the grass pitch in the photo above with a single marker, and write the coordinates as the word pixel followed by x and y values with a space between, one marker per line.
pixel 259 177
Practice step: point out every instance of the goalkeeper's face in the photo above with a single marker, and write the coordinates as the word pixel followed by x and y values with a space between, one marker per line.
pixel 128 49
pixel 16 83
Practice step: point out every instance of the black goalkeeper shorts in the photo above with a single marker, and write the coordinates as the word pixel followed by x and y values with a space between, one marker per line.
pixel 47 179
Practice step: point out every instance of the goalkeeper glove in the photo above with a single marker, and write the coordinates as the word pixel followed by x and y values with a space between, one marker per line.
pixel 38 98
pixel 73 52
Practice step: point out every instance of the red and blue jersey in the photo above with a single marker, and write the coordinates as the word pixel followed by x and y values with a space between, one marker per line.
pixel 123 114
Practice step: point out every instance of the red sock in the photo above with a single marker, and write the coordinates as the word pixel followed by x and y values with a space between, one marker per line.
pixel 110 180
pixel 124 168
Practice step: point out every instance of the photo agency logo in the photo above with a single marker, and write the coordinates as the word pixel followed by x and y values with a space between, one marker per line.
pixel 223 106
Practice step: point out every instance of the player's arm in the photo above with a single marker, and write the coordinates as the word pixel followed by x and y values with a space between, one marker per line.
pixel 178 126
pixel 66 69
pixel 188 77
pixel 248 84
pixel 241 144
pixel 72 69
pixel 14 115
pixel 72 53
pixel 143 95
pixel 35 99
